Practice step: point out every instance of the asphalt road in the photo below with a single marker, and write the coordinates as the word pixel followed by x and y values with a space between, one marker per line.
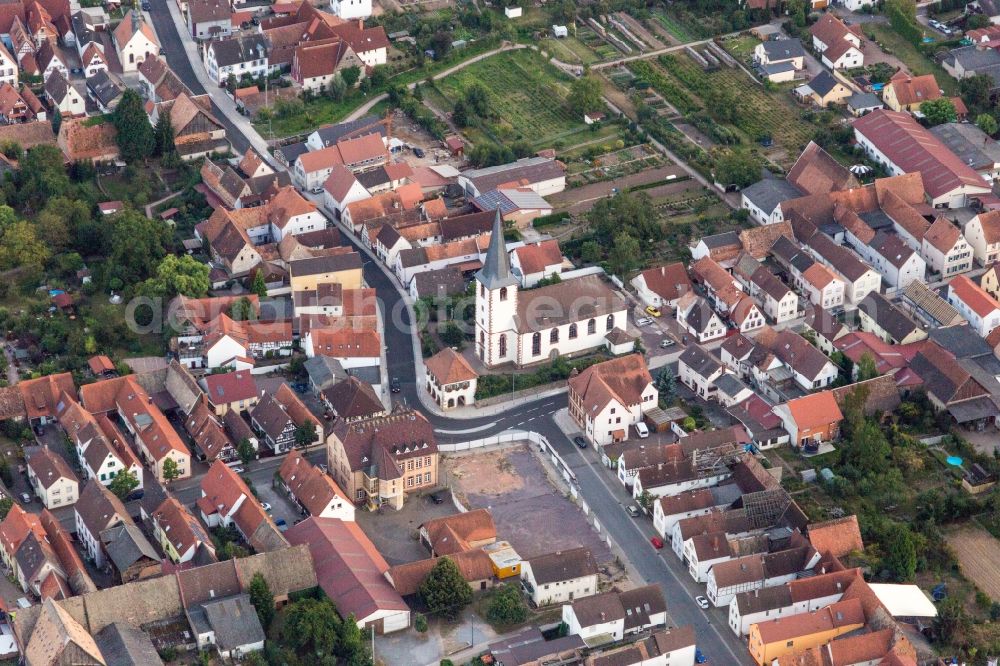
pixel 598 487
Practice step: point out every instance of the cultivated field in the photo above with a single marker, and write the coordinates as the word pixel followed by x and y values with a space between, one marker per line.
pixel 978 554
pixel 527 94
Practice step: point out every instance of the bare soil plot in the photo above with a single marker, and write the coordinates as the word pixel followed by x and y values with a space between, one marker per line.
pixel 978 554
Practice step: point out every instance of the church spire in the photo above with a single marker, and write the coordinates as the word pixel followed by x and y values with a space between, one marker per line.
pixel 496 272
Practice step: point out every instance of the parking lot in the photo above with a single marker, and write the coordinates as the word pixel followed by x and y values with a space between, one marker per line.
pixel 528 509
pixel 394 533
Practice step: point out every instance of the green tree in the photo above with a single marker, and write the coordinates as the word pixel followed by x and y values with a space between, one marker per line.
pixel 420 623
pixel 666 384
pixel 135 135
pixel 506 606
pixel 305 434
pixel 20 247
pixel 625 255
pixel 477 100
pixel 245 450
pixel 259 286
pixel 312 626
pixel 951 619
pixel 585 95
pixel 350 75
pixel 460 115
pixel 134 244
pixel 976 91
pixel 977 21
pixel 164 135
pixel 590 252
pixel 633 214
pixel 987 123
pixel 867 368
pixel 444 591
pixel 900 557
pixel 170 470
pixel 452 335
pixel 175 276
pixel 262 599
pixel 123 484
pixel 352 648
pixel 738 168
pixel 938 111
pixel 5 506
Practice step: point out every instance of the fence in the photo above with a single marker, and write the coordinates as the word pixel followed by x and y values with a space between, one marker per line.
pixel 511 436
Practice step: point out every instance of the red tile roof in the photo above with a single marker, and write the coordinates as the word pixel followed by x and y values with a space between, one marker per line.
pixel 815 410
pixel 669 282
pixel 838 537
pixel 973 296
pixel 42 395
pixel 535 257
pixel 450 367
pixel 622 379
pixel 230 387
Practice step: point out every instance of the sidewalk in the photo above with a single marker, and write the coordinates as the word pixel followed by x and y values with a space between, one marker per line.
pixel 221 99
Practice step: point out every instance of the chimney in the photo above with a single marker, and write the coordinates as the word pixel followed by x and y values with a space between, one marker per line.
pixel 361 24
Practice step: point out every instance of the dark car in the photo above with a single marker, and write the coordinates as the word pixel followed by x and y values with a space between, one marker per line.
pixel 419 152
pixel 580 441
pixel 437 499
pixel 145 7
pixel 394 385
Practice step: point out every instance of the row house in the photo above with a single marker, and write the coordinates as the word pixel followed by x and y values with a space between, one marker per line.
pixel 760 359
pixel 241 57
pixel 227 501
pixel 101 448
pixel 616 614
pixel 753 572
pixel 698 370
pixel 983 234
pixel 281 418
pixel 725 521
pixel 820 285
pixel 777 300
pixel 312 169
pixel 978 307
pixel 180 534
pixel 876 314
pixel 897 262
pixel 859 278
pixel 723 291
pixel 697 318
pixel 796 597
pixel 312 490
pixel 941 244
pixel 51 478
pixel 671 509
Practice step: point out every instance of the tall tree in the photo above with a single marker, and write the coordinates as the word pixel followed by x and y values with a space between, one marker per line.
pixel 135 135
pixel 738 167
pixel 123 484
pixel 625 255
pixel 585 95
pixel 305 434
pixel 184 275
pixel 350 75
pixel 867 368
pixel 134 244
pixel 20 247
pixel 170 470
pixel 164 135
pixel 445 592
pixel 258 286
pixel 900 557
pixel 262 599
pixel 939 111
pixel 987 123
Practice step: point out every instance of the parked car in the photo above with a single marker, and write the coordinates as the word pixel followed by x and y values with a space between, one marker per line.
pixel 437 499
pixel 653 312
pixel 394 385
pixel 145 7
pixel 419 152
pixel 657 542
pixel 643 321
pixel 580 441
pixel 632 510
pixel 702 602
pixel 699 657
pixel 26 498
pixel 239 470
pixel 267 507
pixel 667 342
pixel 642 430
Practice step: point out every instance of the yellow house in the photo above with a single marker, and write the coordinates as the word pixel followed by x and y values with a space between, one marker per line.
pixel 505 560
pixel 990 281
pixel 343 268
pixel 797 633
pixel 907 93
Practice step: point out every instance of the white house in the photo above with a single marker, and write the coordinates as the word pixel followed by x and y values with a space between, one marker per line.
pixel 51 478
pixel 99 509
pixel 983 234
pixel 662 286
pixel 66 99
pixel 976 305
pixel 451 381
pixel 754 572
pixel 560 577
pixel 698 370
pixel 778 51
pixel 135 41
pixel 342 188
pixel 246 55
pixel 209 19
pixel 536 261
pixel 8 67
pixel 698 319
pixel 795 598
pixel 671 509
pixel 351 9
pixel 838 45
pixel 616 614
pixel 779 302
pixel 607 399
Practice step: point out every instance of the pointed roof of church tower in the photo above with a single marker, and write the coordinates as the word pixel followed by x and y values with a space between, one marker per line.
pixel 496 272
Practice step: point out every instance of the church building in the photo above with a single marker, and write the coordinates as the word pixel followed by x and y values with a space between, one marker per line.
pixel 527 326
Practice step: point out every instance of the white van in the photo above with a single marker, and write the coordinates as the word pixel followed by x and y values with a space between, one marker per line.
pixel 641 430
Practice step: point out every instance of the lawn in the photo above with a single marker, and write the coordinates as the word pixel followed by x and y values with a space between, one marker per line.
pixel 916 61
pixel 527 95
pixel 674 27
pixel 741 47
pixel 570 50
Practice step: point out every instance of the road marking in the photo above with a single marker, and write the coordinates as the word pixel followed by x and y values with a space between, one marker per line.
pixel 467 430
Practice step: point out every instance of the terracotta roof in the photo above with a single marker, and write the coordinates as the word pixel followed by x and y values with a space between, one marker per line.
pixel 757 241
pixel 361 39
pixel 474 565
pixel 819 275
pixel 310 485
pixel 41 396
pixel 130 25
pixel 180 526
pixel 815 410
pixel 970 293
pixel 227 387
pixel 829 29
pixel 839 537
pixel 839 614
pixel 913 148
pixel 914 89
pixel 16 526
pixel 990 223
pixel 82 141
pixel 623 379
pixel 669 282
pixel 346 343
pixel 452 534
pixel 450 367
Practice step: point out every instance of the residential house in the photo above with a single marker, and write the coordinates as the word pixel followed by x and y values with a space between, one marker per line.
pixel 227 501
pixel 315 493
pixel 458 532
pixel 181 536
pixel 879 316
pixel 14 529
pixel 350 399
pixel 65 99
pixel 354 349
pixel 197 132
pixel 342 188
pixel 860 104
pixel 663 286
pixel 816 172
pixel 544 175
pixel 721 248
pixel 130 554
pixel 283 421
pixel 208 434
pixel 779 51
pixel 616 614
pixel 239 57
pixel 51 478
pixel 859 278
pixel 983 233
pixel 209 19
pixel 316 64
pixel 104 91
pixel 8 67
pixel 343 268
pixel 135 41
pixel 101 448
pixel 696 317
pixel 93 61
pixel 989 280
pixel 536 261
pixel 380 460
pixel 98 510
pixel 722 289
pixel 13 107
pixel 978 307
pixel 805 595
pixel 560 577
pixel 777 299
pixel 821 286
pixel 780 637
pixel 670 509
pixel 896 141
pixel 823 90
pixel 904 92
pixel 159 82
pixel 312 169
pixel 451 381
pixel 475 567
pixel 609 397
pixel 753 572
pixel 351 9
pixel 763 199
pixel 352 573
pixel 698 370
pixel 230 390
pixel 50 60
pixel 836 538
pixel 812 419
pixel 838 44
pixel 671 647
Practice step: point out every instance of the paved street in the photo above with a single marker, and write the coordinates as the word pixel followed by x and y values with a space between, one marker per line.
pixel 597 486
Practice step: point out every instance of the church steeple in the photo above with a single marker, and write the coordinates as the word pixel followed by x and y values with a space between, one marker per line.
pixel 496 272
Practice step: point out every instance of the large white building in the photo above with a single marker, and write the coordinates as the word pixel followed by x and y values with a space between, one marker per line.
pixel 534 326
pixel 609 398
pixel 351 9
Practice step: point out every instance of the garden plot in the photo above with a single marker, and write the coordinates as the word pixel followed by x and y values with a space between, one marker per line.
pixel 527 95
pixel 978 554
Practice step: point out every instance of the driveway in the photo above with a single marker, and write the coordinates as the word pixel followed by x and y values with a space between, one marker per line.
pixel 394 533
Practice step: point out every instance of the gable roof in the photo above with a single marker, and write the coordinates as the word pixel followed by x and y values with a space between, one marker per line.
pixel 623 379
pixel 452 534
pixel 352 398
pixel 914 89
pixel 838 537
pixel 49 467
pixel 227 387
pixel 450 367
pixel 474 565
pixel 974 296
pixel 669 281
pixel 563 565
pixel 816 410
